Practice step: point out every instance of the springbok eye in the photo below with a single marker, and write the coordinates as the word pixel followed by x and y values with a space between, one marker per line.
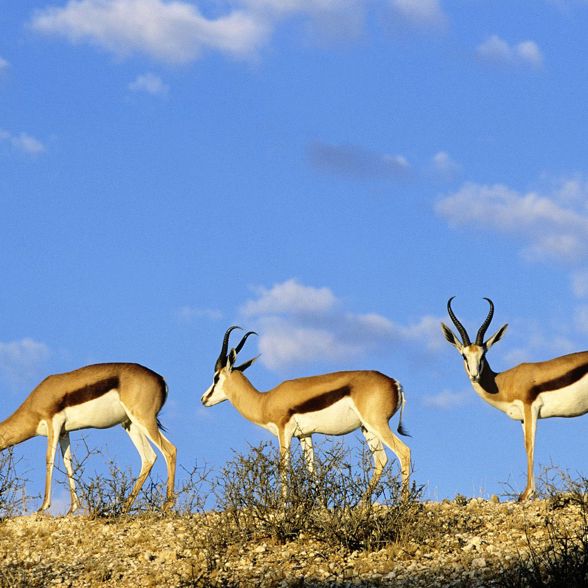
pixel 216 378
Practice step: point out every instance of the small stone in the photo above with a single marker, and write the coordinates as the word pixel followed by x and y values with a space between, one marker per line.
pixel 473 543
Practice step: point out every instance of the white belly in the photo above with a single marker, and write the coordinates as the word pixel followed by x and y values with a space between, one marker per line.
pixel 100 413
pixel 512 409
pixel 570 401
pixel 338 419
pixel 515 410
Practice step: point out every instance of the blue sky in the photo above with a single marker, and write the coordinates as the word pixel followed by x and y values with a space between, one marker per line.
pixel 327 173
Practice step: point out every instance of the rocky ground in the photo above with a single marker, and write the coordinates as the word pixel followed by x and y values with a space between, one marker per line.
pixel 458 543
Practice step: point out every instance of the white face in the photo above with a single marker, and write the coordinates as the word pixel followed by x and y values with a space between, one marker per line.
pixel 473 357
pixel 215 393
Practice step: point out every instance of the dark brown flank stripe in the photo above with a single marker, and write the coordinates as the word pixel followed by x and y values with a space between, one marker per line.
pixel 562 381
pixel 322 401
pixel 87 393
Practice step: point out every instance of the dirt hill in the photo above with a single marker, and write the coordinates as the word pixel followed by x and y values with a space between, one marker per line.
pixel 459 543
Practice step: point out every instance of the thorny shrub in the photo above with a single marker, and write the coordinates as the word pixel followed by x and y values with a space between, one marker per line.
pixel 564 562
pixel 104 495
pixel 328 504
pixel 13 497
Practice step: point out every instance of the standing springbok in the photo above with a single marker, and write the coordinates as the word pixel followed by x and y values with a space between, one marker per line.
pixel 95 396
pixel 526 392
pixel 332 404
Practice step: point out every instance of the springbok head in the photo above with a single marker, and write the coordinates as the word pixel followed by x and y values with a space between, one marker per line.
pixel 473 353
pixel 225 365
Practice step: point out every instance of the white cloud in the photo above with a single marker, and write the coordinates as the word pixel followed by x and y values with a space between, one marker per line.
pixel 284 7
pixel 174 32
pixel 447 400
pixel 580 283
pixel 419 13
pixel 356 162
pixel 497 50
pixel 179 32
pixel 149 83
pixel 424 333
pixel 4 65
pixel 530 340
pixel 445 166
pixel 330 19
pixel 23 142
pixel 189 314
pixel 284 343
pixel 552 227
pixel 20 360
pixel 528 52
pixel 290 297
pixel 301 324
pixel 28 144
pixel 571 190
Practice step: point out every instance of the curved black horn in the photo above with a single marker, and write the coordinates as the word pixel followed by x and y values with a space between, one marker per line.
pixel 242 342
pixel 485 324
pixel 464 334
pixel 221 362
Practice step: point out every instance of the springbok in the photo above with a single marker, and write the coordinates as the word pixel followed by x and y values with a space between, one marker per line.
pixel 332 404
pixel 526 392
pixel 95 396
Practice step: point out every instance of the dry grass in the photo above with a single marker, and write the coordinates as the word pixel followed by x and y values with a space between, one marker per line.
pixel 325 508
pixel 563 561
pixel 13 497
pixel 326 505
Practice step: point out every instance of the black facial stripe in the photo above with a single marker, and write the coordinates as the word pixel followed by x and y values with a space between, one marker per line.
pixel 207 396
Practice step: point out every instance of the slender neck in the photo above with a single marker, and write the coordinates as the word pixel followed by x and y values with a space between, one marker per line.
pixel 487 381
pixel 17 428
pixel 245 397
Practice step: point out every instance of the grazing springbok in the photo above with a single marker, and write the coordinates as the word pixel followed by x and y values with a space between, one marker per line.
pixel 95 396
pixel 332 404
pixel 526 392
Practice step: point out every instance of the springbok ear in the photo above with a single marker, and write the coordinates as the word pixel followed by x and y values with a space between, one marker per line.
pixel 450 336
pixel 496 337
pixel 249 363
pixel 231 359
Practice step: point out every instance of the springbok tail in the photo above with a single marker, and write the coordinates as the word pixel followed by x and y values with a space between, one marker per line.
pixel 160 426
pixel 402 399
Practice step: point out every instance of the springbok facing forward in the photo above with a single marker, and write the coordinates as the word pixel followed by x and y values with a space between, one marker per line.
pixel 95 396
pixel 526 392
pixel 332 404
